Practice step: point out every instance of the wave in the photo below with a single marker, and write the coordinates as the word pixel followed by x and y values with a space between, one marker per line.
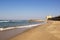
pixel 27 26
pixel 4 21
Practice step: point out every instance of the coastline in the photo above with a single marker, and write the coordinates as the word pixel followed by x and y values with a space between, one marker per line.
pixel 26 26
pixel 8 33
pixel 49 31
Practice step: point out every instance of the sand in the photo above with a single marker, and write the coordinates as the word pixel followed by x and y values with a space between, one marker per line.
pixel 49 31
pixel 7 33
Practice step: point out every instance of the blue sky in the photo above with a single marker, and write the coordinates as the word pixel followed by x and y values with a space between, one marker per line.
pixel 28 9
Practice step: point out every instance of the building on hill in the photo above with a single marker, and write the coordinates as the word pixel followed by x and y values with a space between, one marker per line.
pixel 48 17
pixel 57 18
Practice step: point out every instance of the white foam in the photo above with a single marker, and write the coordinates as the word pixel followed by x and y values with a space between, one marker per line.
pixel 1 28
pixel 4 21
pixel 27 26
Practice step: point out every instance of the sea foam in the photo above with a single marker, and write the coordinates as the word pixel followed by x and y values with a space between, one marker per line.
pixel 27 26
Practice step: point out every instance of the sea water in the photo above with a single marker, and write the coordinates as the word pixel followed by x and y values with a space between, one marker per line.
pixel 10 24
pixel 17 26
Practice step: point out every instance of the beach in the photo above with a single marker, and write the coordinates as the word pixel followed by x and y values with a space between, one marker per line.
pixel 9 32
pixel 48 31
pixel 29 19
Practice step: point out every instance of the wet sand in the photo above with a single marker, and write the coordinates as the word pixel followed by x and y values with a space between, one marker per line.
pixel 49 31
pixel 5 34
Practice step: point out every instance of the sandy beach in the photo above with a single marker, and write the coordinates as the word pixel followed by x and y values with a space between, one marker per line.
pixel 49 31
pixel 9 32
pixel 29 19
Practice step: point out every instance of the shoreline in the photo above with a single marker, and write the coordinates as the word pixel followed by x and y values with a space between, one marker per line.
pixel 49 31
pixel 6 34
pixel 26 26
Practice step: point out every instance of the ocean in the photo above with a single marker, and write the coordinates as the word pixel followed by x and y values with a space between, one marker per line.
pixel 17 26
pixel 14 23
pixel 11 24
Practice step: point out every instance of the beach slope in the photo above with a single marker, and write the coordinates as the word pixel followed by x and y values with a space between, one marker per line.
pixel 48 31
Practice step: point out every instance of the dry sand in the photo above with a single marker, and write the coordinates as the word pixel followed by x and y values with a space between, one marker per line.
pixel 49 31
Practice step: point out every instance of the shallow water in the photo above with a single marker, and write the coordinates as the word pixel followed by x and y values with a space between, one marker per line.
pixel 16 23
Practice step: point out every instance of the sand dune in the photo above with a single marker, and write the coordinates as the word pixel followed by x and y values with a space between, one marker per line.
pixel 49 31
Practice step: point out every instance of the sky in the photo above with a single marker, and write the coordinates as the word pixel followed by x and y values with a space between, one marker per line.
pixel 28 9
